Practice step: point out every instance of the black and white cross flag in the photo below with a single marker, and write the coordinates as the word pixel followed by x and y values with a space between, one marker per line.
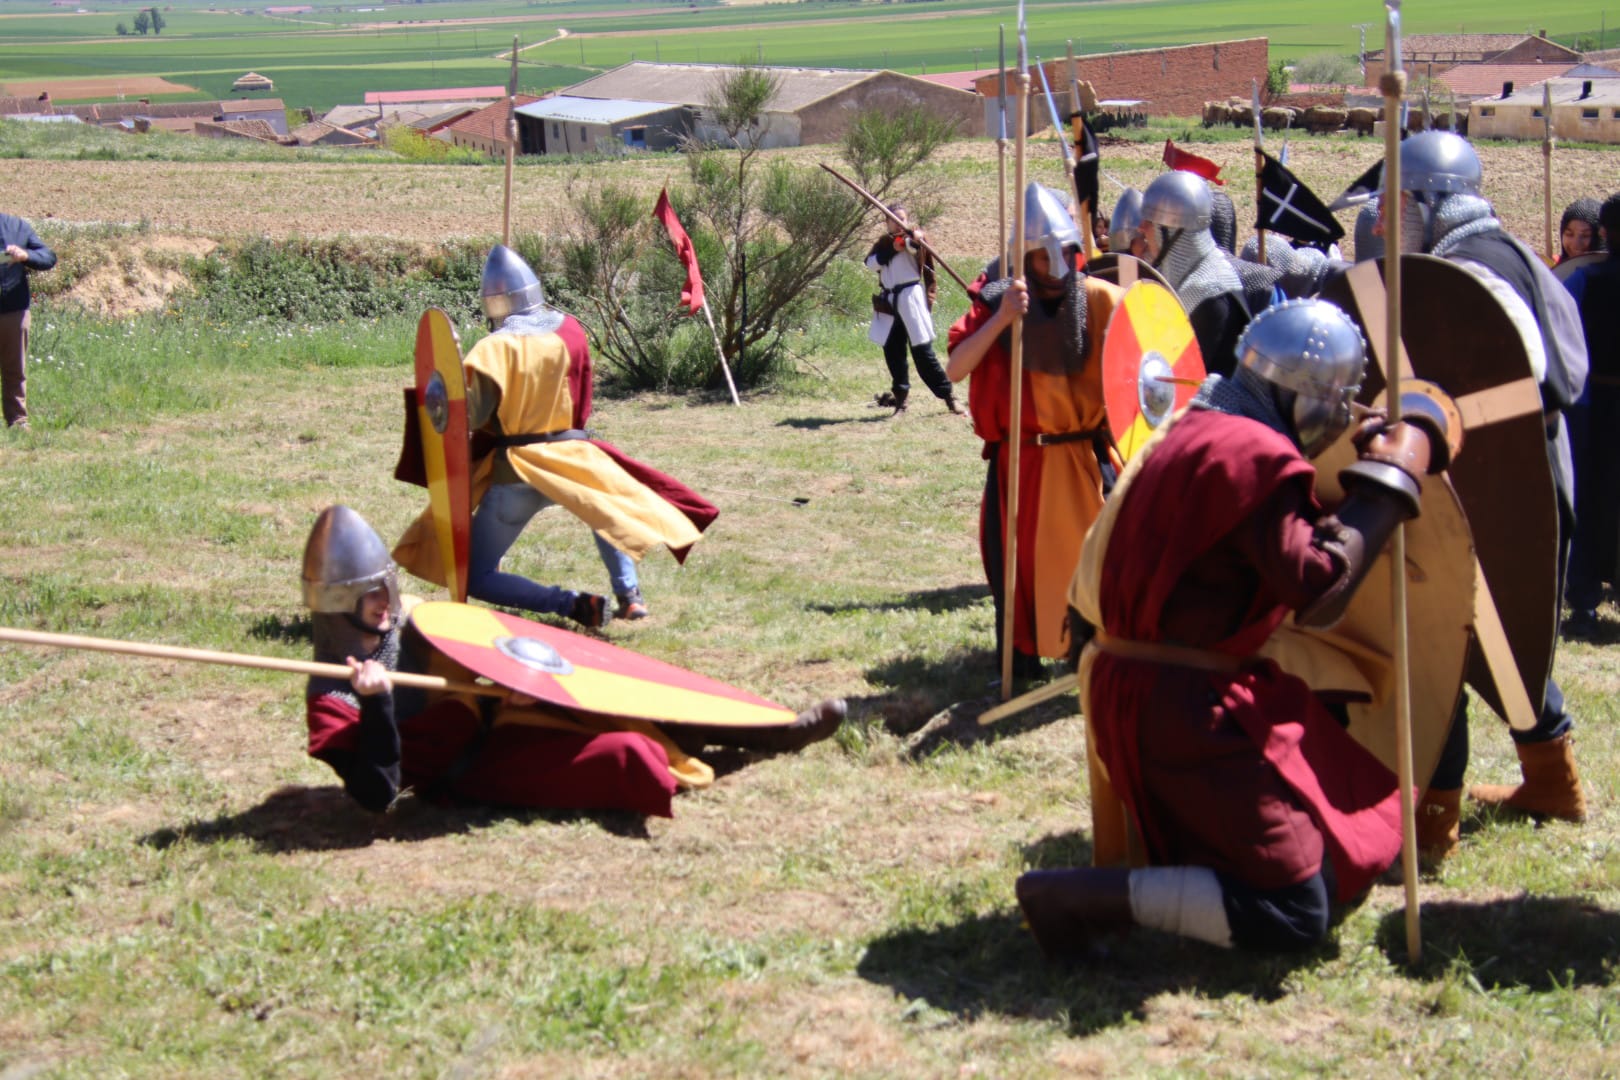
pixel 1287 206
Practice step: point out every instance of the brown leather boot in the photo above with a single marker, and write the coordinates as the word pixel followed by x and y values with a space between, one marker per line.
pixel 1551 787
pixel 1438 825
pixel 1069 910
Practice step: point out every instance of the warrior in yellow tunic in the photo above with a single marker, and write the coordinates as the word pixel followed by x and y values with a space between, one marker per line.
pixel 529 397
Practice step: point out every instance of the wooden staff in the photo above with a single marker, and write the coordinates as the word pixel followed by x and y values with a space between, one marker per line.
pixel 922 244
pixel 1087 211
pixel 1393 86
pixel 1546 165
pixel 1001 163
pixel 1259 170
pixel 243 660
pixel 511 146
pixel 1015 435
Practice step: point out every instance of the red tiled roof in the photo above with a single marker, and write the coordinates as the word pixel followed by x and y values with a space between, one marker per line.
pixel 957 80
pixel 1485 80
pixel 458 93
pixel 490 122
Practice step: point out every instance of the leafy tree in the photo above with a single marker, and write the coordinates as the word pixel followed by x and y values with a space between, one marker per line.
pixel 158 21
pixel 143 21
pixel 1328 69
pixel 1277 78
pixel 764 227
pixel 123 31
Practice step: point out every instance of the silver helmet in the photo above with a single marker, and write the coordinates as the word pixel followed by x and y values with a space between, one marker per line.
pixel 509 286
pixel 1178 200
pixel 1123 222
pixel 1314 356
pixel 344 559
pixel 1048 225
pixel 1440 162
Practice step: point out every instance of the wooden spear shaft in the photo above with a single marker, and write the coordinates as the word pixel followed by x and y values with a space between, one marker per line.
pixel 511 147
pixel 1393 85
pixel 1546 166
pixel 227 659
pixel 1015 434
pixel 1001 166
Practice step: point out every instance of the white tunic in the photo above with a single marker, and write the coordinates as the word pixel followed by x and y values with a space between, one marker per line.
pixel 910 303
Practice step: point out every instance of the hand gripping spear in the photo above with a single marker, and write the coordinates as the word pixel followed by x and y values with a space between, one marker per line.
pixel 1015 433
pixel 1393 86
pixel 890 214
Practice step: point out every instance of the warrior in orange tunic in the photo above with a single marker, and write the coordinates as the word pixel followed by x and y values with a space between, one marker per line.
pixel 1065 438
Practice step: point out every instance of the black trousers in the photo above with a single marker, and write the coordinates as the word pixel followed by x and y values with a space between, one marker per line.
pixel 894 354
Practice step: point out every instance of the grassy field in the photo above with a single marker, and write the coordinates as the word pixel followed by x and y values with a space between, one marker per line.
pixel 324 58
pixel 183 893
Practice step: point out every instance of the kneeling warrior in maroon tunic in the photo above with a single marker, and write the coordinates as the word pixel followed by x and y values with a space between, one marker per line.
pixel 1255 806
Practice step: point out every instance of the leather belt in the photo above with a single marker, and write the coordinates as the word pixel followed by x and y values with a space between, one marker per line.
pixel 1056 438
pixel 1160 652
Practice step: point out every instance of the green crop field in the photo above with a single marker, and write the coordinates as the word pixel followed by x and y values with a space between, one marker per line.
pixel 325 57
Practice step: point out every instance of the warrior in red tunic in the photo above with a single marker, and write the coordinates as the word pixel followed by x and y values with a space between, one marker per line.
pixel 1255 806
pixel 1064 454
pixel 381 740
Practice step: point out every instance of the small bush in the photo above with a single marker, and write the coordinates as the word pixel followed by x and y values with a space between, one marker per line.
pixel 1327 69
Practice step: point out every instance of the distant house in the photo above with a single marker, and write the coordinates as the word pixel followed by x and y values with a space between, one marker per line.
pixel 1172 81
pixel 252 83
pixel 813 105
pixel 170 115
pixel 1469 81
pixel 579 125
pixel 1435 54
pixel 1587 110
pixel 321 133
pixel 258 130
pixel 485 129
pixel 479 94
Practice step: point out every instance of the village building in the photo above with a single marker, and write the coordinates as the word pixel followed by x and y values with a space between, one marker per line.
pixel 252 83
pixel 485 129
pixel 1431 55
pixel 577 125
pixel 176 116
pixel 1174 81
pixel 1583 110
pixel 812 106
pixel 321 133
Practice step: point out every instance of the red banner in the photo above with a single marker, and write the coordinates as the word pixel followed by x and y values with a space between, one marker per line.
pixel 692 291
pixel 1181 161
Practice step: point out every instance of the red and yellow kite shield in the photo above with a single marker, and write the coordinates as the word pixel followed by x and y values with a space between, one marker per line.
pixel 583 673
pixel 441 397
pixel 1151 364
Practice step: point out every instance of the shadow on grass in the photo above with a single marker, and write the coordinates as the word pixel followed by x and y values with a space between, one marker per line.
pixel 816 423
pixel 933 601
pixel 988 964
pixel 1539 943
pixel 938 702
pixel 325 819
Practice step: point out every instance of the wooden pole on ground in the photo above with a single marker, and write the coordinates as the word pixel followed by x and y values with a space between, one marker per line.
pixel 1546 167
pixel 720 352
pixel 1005 248
pixel 511 146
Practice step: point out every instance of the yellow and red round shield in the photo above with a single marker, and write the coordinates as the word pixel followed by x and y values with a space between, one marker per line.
pixel 583 673
pixel 441 401
pixel 1151 364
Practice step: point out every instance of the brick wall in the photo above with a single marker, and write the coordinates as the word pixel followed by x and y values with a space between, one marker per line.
pixel 1174 82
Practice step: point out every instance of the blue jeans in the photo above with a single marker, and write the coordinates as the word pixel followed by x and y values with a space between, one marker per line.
pixel 500 518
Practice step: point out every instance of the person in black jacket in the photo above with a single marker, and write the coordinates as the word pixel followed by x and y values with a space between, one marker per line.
pixel 25 253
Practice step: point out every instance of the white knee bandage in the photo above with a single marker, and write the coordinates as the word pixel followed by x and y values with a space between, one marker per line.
pixel 1184 900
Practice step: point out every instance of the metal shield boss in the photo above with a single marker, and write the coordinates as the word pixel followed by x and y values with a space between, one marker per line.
pixel 1456 336
pixel 1151 364
pixel 441 397
pixel 585 674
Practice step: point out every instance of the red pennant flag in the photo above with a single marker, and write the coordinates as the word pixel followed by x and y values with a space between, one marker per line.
pixel 692 291
pixel 1181 161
